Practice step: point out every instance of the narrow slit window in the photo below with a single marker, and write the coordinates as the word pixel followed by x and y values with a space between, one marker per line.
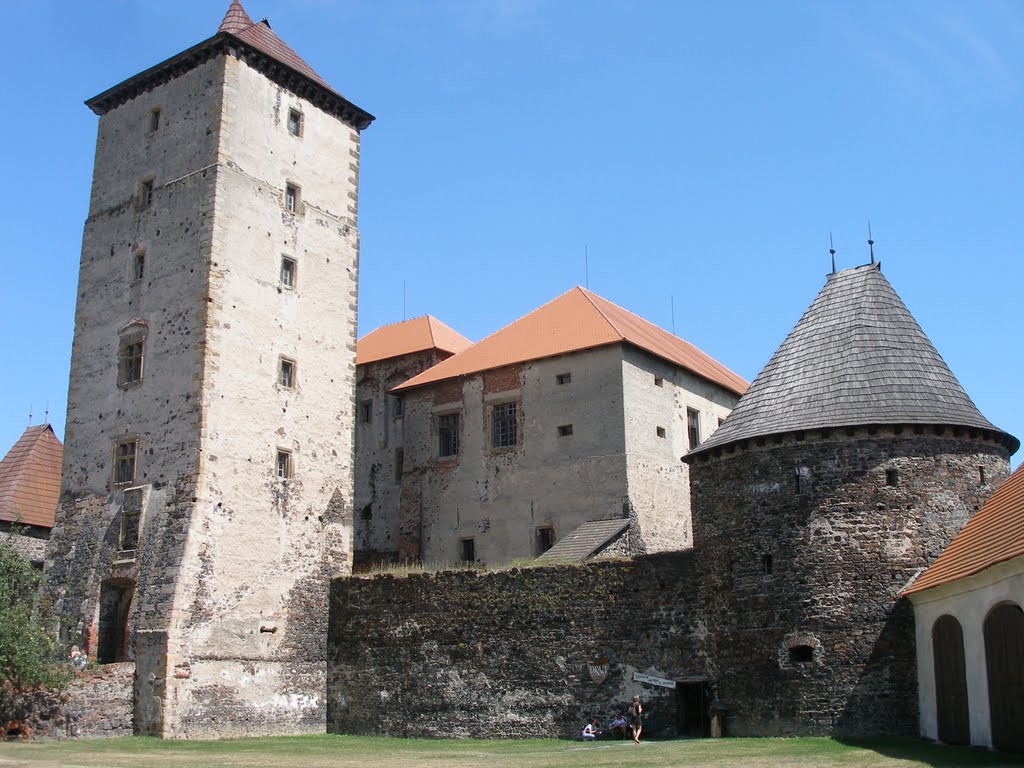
pixel 892 477
pixel 767 565
pixel 285 466
pixel 291 198
pixel 981 475
pixel 366 411
pixel 146 194
pixel 289 271
pixel 294 122
pixel 693 427
pixel 398 407
pixel 286 373
pixel 138 266
pixel 131 509
pixel 399 464
pixel 153 123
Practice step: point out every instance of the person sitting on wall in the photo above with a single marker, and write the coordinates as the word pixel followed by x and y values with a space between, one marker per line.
pixel 618 725
pixel 590 730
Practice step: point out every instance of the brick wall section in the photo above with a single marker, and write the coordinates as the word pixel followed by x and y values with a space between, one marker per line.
pixel 504 654
pixel 96 704
pixel 842 546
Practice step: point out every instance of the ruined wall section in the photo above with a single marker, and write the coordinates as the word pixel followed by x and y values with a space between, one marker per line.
pixel 658 396
pixel 250 657
pixel 803 561
pixel 499 497
pixel 379 445
pixel 506 654
pixel 162 411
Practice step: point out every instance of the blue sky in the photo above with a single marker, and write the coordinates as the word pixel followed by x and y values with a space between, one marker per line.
pixel 700 152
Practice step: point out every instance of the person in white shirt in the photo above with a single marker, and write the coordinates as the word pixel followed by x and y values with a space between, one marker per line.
pixel 590 730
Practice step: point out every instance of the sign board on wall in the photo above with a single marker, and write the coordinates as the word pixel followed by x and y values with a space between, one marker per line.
pixel 640 677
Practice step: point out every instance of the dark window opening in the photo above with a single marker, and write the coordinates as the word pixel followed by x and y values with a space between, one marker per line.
pixel 565 430
pixel 467 552
pixel 294 122
pixel 398 407
pixel 138 266
pixel 801 654
pixel 658 381
pixel 124 461
pixel 767 564
pixel 146 194
pixel 399 464
pixel 981 474
pixel 448 435
pixel 563 378
pixel 115 602
pixel 284 467
pixel 693 427
pixel 129 369
pixel 366 411
pixel 131 509
pixel 545 539
pixel 796 479
pixel 892 477
pixel 660 431
pixel 154 120
pixel 503 425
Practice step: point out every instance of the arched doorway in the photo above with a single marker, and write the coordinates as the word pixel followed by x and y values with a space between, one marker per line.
pixel 115 602
pixel 1004 662
pixel 951 706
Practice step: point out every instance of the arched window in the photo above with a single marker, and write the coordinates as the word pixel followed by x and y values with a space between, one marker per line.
pixel 1004 663
pixel 951 704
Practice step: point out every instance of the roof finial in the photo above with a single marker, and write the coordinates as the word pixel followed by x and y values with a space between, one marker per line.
pixel 46 413
pixel 871 243
pixel 236 19
pixel 30 414
pixel 832 251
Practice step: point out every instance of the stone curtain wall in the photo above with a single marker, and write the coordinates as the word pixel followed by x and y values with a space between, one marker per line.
pixel 505 654
pixel 805 542
pixel 96 704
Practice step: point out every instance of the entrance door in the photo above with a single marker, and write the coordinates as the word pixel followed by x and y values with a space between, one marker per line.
pixel 115 600
pixel 950 681
pixel 1004 662
pixel 692 718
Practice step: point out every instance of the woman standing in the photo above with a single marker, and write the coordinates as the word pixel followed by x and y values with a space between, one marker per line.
pixel 636 718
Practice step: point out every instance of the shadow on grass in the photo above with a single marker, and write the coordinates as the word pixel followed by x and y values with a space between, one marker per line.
pixel 938 755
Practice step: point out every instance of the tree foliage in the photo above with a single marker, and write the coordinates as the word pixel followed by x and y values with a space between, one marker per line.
pixel 26 650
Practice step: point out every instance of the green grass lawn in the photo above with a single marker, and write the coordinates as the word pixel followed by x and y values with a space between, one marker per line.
pixel 374 752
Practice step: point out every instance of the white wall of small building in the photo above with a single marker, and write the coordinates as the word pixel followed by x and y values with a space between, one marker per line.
pixel 969 601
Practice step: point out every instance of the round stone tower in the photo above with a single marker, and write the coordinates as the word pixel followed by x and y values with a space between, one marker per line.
pixel 849 464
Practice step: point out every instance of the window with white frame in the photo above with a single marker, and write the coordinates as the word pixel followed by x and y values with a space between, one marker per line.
pixel 503 425
pixel 448 435
pixel 289 272
pixel 286 373
pixel 285 464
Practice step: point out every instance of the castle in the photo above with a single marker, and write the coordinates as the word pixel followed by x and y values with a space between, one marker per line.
pixel 207 495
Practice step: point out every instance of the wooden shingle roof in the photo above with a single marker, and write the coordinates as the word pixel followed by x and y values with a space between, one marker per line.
pixel 30 478
pixel 416 335
pixel 585 540
pixel 856 357
pixel 995 534
pixel 575 321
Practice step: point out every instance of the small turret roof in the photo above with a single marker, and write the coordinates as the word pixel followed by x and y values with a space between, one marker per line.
pixel 856 357
pixel 416 335
pixel 30 478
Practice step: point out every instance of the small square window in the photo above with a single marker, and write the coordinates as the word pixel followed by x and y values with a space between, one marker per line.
pixel 545 539
pixel 448 435
pixel 565 430
pixel 130 361
pixel 659 382
pixel 467 551
pixel 292 198
pixel 125 452
pixel 661 432
pixel 146 194
pixel 503 425
pixel 294 122
pixel 285 467
pixel 138 266
pixel 399 464
pixel 153 124
pixel 289 272
pixel 286 373
pixel 563 378
pixel 366 411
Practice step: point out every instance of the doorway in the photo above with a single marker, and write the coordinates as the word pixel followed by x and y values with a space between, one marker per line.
pixel 692 718
pixel 950 681
pixel 1004 659
pixel 115 602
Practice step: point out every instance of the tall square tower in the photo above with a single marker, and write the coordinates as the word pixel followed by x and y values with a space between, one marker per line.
pixel 207 481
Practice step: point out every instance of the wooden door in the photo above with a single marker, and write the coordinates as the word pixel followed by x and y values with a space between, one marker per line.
pixel 1004 661
pixel 950 681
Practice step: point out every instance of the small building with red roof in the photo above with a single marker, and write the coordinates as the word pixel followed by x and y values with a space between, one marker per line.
pixel 385 358
pixel 30 488
pixel 575 413
pixel 969 612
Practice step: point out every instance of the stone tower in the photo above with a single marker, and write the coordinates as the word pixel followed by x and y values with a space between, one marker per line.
pixel 850 463
pixel 207 481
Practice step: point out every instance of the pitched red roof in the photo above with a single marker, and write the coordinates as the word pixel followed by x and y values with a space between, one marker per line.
pixel 995 534
pixel 415 335
pixel 575 321
pixel 30 478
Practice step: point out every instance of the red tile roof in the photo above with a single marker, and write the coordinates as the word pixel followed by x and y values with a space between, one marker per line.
pixel 995 534
pixel 30 478
pixel 575 321
pixel 416 335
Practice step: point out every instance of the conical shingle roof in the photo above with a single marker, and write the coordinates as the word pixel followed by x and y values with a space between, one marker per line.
pixel 857 357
